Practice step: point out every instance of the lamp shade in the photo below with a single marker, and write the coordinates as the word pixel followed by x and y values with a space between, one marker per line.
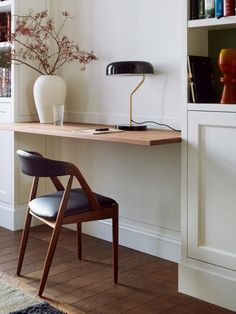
pixel 129 67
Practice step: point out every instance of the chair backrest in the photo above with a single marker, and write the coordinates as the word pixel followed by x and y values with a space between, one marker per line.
pixel 35 165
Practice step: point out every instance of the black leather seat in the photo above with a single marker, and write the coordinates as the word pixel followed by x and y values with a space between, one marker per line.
pixel 65 206
pixel 46 206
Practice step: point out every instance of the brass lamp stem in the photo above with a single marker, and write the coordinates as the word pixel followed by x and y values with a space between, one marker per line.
pixel 131 101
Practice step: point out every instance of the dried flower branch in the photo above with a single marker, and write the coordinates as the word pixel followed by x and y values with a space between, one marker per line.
pixel 35 37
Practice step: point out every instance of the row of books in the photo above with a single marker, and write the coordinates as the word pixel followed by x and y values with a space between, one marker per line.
pixel 5 26
pixel 201 80
pixel 200 9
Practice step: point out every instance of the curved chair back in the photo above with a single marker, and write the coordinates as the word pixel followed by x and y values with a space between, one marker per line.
pixel 35 165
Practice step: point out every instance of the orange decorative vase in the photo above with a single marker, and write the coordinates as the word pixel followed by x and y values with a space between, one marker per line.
pixel 227 65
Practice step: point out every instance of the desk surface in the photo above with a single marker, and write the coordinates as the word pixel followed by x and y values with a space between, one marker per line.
pixel 149 137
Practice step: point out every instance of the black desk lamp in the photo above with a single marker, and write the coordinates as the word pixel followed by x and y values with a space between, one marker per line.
pixel 130 68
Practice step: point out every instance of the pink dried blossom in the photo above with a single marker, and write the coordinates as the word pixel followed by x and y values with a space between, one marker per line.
pixel 31 39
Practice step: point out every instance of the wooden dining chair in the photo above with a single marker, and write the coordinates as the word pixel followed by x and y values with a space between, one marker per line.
pixel 65 206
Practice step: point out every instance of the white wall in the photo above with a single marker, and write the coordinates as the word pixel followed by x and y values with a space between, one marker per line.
pixel 145 181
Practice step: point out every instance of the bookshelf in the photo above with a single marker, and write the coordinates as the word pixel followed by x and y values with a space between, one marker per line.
pixel 213 23
pixel 5 73
pixel 208 264
pixel 206 37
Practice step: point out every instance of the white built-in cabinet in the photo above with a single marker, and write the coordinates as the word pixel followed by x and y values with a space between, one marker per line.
pixel 211 180
pixel 7 160
pixel 208 266
pixel 20 106
pixel 5 102
pixel 14 187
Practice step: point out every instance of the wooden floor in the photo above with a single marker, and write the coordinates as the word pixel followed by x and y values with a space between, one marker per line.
pixel 147 284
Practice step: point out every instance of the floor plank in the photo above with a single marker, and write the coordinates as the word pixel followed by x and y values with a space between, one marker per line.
pixel 147 284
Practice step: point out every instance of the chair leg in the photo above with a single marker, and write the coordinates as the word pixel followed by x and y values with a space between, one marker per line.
pixel 49 257
pixel 115 233
pixel 24 239
pixel 79 231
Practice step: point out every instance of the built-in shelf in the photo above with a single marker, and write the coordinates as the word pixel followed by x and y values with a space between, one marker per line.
pixel 149 137
pixel 5 100
pixel 214 23
pixel 212 107
pixel 5 6
pixel 5 45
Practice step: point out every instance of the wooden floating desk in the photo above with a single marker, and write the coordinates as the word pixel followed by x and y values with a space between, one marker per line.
pixel 149 137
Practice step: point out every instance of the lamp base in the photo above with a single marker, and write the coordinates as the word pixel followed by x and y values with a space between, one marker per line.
pixel 132 127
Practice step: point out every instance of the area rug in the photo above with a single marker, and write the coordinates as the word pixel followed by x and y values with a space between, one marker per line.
pixel 14 301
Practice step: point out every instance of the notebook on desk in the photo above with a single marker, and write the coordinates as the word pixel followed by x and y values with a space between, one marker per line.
pixel 97 131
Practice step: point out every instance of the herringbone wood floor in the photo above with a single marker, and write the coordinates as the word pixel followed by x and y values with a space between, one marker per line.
pixel 147 284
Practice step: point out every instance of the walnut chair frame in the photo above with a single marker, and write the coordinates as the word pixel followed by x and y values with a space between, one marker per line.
pixel 95 207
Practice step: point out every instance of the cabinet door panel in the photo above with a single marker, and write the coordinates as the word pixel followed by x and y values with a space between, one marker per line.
pixel 212 187
pixel 5 111
pixel 7 166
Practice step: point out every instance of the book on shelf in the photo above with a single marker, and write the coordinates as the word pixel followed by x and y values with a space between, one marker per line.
pixel 201 9
pixel 201 82
pixel 229 7
pixel 209 8
pixel 219 8
pixel 193 9
pixel 5 26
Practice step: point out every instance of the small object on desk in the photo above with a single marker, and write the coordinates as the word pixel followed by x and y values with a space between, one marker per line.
pixel 58 114
pixel 106 130
pixel 97 130
pixel 102 129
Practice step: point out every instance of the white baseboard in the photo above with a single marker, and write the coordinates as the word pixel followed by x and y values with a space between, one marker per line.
pixel 7 217
pixel 154 242
pixel 14 219
pixel 208 286
pixel 147 242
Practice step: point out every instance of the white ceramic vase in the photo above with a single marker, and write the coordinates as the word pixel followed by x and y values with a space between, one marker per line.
pixel 48 91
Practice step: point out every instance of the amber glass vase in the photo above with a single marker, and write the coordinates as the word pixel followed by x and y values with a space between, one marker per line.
pixel 227 65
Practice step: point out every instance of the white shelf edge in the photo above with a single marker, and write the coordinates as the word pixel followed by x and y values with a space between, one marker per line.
pixel 5 100
pixel 213 23
pixel 212 107
pixel 5 45
pixel 5 6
